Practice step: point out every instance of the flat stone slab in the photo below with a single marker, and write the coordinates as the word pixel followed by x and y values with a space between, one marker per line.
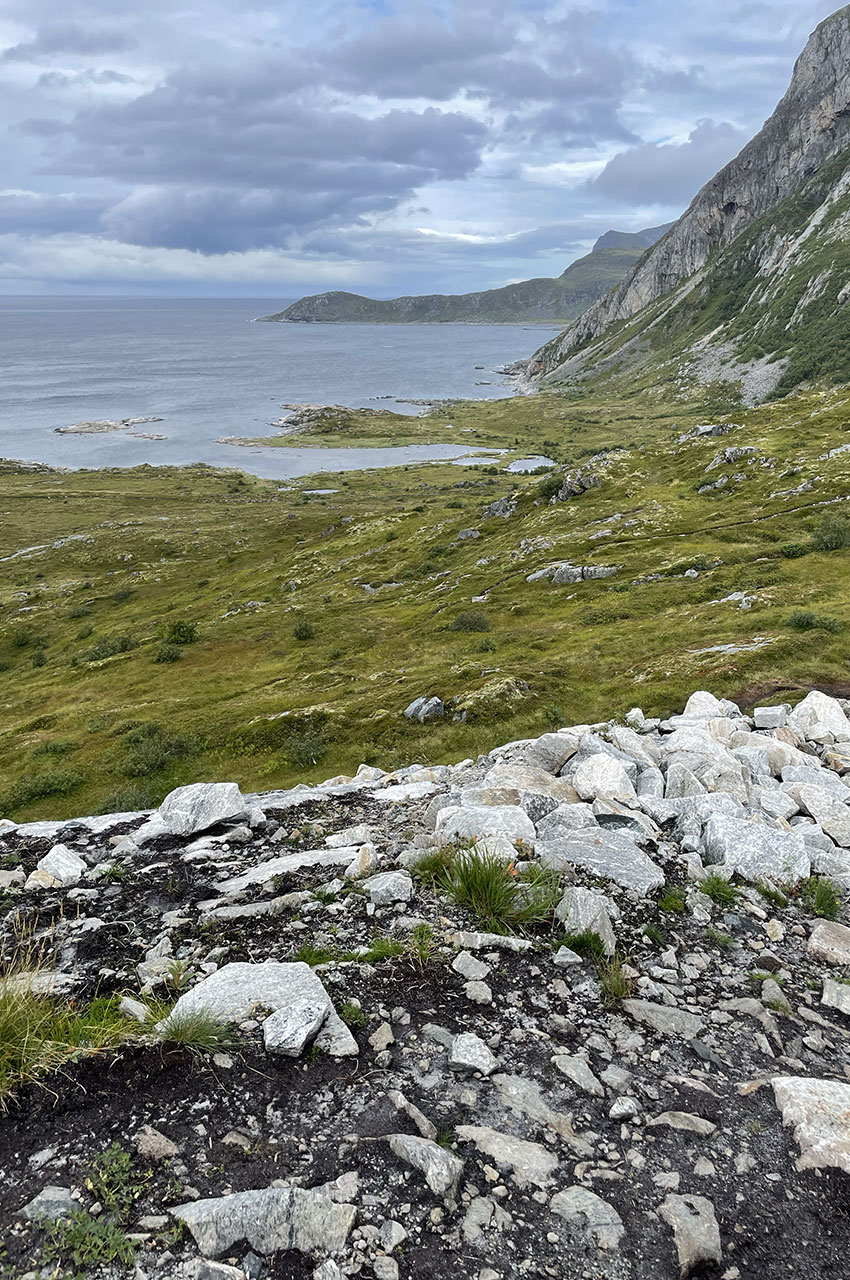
pixel 611 855
pixel 286 864
pixel 458 822
pixel 755 851
pixel 591 1214
pixel 236 991
pixel 819 1111
pixel 277 1218
pixel 663 1019
pixel 529 1162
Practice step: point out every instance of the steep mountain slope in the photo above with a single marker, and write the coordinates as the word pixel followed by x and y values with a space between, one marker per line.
pixel 562 298
pixel 755 267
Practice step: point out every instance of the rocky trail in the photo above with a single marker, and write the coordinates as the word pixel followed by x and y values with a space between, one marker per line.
pixel 579 1008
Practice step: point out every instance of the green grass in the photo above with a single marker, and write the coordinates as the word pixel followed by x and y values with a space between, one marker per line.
pixel 724 941
pixel 198 1032
pixel 587 944
pixel 243 563
pixel 87 1242
pixel 822 898
pixel 721 892
pixel 616 985
pixel 673 900
pixel 352 1015
pixel 501 899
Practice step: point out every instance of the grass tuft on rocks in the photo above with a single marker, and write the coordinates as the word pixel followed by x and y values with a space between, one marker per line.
pixel 822 898
pixel 503 900
pixel 198 1032
pixel 719 890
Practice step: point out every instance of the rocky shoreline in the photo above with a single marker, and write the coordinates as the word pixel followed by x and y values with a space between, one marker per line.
pixel 577 1008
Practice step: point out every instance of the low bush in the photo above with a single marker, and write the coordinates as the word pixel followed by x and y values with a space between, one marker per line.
pixel 39 786
pixel 794 550
pixel 807 620
pixel 470 620
pixel 149 749
pixel 110 646
pixel 303 630
pixel 179 632
pixel 168 653
pixel 833 533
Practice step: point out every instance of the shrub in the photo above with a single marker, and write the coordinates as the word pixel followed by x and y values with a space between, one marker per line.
pixel 39 786
pixel 87 1242
pixel 151 748
pixel 168 653
pixel 110 646
pixel 38 659
pixel 180 632
pixel 470 620
pixel 794 550
pixel 305 747
pixel 129 800
pixel 807 620
pixel 549 486
pixel 833 533
pixel 303 630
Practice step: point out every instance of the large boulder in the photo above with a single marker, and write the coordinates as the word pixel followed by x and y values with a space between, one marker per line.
pixel 61 868
pixel 611 855
pixel 602 775
pixel 819 715
pixel 472 822
pixel 202 805
pixel 755 851
pixel 819 1110
pixel 237 991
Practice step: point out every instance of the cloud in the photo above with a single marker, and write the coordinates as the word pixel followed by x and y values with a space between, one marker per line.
pixel 669 173
pixel 32 212
pixel 62 38
pixel 63 80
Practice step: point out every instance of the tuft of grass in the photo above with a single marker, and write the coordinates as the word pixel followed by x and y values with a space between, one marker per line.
pixel 724 941
pixel 719 890
pixel 615 983
pixel 654 935
pixel 423 944
pixel 832 533
pixel 431 869
pixel 198 1032
pixel 311 955
pixel 822 898
pixel 493 891
pixel 673 899
pixel 382 948
pixel 771 894
pixel 40 1035
pixel 587 944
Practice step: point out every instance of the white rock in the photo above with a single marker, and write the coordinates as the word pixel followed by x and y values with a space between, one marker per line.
pixel 589 1212
pixel 388 887
pixel 459 823
pixel 695 1231
pixel 288 1031
pixel 469 1053
pixel 819 1110
pixel 64 867
pixel 836 995
pixel 817 710
pixel 602 776
pixel 361 834
pixel 611 855
pixel 577 1070
pixel 442 1169
pixel 754 850
pixel 831 942
pixel 831 813
pixel 272 1219
pixel 200 806
pixel 588 911
pixel 51 1204
pixel 234 992
pixel 470 968
pixel 529 1162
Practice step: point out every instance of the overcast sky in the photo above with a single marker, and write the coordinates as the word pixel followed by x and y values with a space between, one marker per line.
pixel 279 148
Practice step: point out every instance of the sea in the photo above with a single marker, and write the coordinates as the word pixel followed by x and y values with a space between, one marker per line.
pixel 208 371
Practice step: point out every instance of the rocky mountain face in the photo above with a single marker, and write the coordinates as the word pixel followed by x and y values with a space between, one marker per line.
pixel 528 301
pixel 768 234
pixel 577 1008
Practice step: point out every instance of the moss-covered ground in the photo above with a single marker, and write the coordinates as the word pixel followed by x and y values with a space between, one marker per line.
pixel 318 618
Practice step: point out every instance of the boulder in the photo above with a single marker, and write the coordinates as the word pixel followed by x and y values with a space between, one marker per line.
pixel 462 823
pixel 818 1111
pixel 603 776
pixel 754 850
pixel 830 941
pixel 665 1020
pixel 236 991
pixel 388 887
pixel 529 1162
pixel 611 855
pixel 60 868
pixel 587 911
pixel 273 1219
pixel 51 1204
pixel 469 1053
pixel 201 805
pixel 425 709
pixel 830 811
pixel 818 714
pixel 288 1031
pixel 441 1168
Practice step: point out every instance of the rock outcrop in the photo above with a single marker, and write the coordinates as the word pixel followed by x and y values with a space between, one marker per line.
pixel 574 1007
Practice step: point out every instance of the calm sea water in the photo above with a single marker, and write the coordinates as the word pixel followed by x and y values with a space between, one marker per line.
pixel 208 372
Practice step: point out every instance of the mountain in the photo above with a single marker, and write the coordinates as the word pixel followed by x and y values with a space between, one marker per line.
pixel 528 301
pixel 749 286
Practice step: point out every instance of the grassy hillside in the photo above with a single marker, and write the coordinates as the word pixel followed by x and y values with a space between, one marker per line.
pixel 768 314
pixel 312 621
pixel 529 301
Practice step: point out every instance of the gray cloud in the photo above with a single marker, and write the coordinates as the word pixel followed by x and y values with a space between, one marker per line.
pixel 69 38
pixel 669 173
pixel 33 213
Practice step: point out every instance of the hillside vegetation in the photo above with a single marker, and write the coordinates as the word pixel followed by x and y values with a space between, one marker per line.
pixel 527 301
pixel 159 626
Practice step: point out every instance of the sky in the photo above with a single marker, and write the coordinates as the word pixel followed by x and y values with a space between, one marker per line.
pixel 275 149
